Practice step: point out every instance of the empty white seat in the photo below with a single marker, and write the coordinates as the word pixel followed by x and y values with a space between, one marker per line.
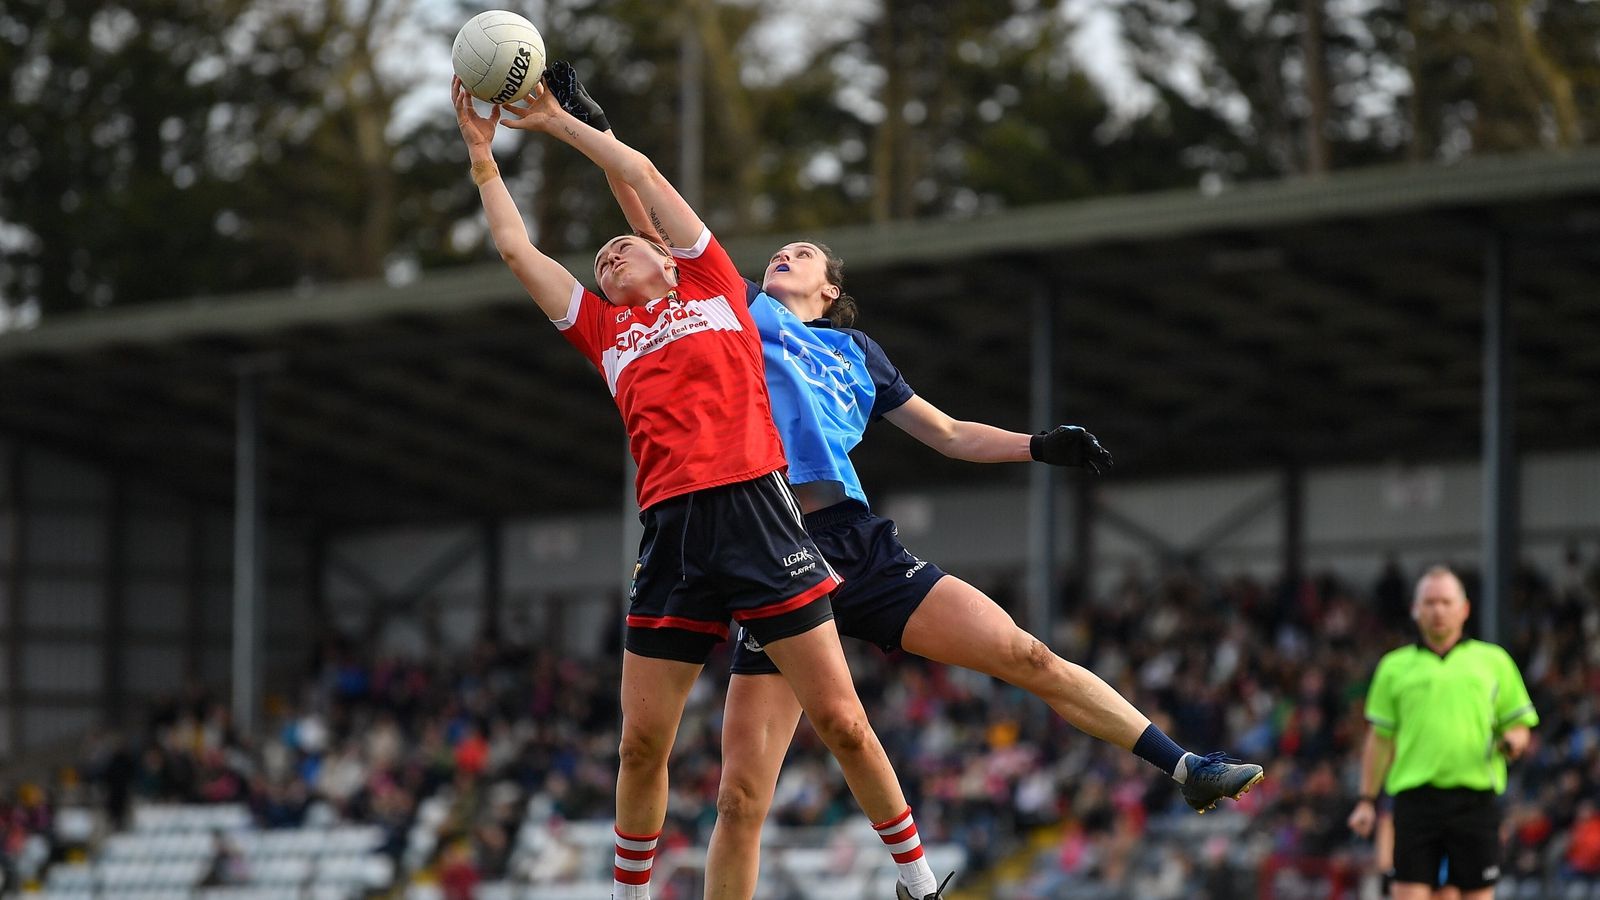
pixel 577 890
pixel 146 894
pixel 249 892
pixel 367 870
pixel 352 839
pixel 69 878
pixel 280 870
pixel 497 890
pixel 172 817
pixel 333 892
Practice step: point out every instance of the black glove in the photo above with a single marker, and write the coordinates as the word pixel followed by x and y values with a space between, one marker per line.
pixel 563 82
pixel 1069 445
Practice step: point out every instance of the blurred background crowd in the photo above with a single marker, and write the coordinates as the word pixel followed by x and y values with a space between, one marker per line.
pixel 1038 809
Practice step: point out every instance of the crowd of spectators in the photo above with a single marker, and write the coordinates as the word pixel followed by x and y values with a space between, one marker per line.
pixel 1270 674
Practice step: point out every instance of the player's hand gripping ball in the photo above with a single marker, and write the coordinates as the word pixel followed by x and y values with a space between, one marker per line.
pixel 1069 445
pixel 498 56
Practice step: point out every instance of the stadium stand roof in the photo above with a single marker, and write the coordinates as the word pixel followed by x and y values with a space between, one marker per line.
pixel 1305 321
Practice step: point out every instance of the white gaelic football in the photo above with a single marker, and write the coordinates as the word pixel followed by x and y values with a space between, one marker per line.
pixel 499 56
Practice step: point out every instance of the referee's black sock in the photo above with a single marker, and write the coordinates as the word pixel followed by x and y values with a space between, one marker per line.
pixel 1155 748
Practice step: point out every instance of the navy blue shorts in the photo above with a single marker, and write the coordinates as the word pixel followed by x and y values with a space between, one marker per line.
pixel 883 583
pixel 737 551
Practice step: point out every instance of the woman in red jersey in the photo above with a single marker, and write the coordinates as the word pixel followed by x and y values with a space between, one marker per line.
pixel 723 534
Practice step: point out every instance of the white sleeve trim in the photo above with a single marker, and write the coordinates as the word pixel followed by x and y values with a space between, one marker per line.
pixel 700 245
pixel 571 318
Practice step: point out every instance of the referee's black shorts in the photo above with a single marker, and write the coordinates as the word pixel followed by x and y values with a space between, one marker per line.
pixel 1453 825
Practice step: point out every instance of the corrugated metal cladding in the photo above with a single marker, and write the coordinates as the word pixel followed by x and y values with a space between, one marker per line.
pixel 115 595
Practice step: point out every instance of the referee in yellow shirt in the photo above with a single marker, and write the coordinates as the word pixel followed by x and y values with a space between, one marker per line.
pixel 1446 714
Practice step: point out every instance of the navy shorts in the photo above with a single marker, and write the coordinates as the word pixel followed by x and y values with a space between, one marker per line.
pixel 883 583
pixel 737 551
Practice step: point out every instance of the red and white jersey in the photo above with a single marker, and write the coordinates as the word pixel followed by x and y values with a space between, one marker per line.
pixel 687 374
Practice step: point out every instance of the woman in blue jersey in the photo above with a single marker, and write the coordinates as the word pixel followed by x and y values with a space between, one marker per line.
pixel 826 382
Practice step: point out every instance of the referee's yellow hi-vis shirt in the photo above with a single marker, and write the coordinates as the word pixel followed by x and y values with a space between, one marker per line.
pixel 1446 714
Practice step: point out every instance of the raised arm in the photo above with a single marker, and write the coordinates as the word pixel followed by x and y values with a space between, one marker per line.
pixel 547 281
pixel 1066 445
pixel 669 217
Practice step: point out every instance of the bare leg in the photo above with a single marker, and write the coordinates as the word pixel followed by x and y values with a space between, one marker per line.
pixel 958 624
pixel 813 663
pixel 752 753
pixel 653 694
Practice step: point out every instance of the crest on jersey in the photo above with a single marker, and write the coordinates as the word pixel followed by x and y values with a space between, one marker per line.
pixel 827 372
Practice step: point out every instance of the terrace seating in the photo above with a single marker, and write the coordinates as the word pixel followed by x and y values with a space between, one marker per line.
pixel 172 851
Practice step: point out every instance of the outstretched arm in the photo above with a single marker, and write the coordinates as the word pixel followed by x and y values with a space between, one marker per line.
pixel 546 280
pixel 669 217
pixel 1064 445
pixel 971 441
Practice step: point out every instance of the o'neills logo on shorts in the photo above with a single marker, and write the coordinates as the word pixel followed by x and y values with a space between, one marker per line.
pixel 515 77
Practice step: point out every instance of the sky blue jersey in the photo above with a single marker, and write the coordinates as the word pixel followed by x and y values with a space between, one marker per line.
pixel 826 384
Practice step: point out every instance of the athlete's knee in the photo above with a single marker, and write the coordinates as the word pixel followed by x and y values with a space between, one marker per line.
pixel 1027 658
pixel 843 727
pixel 740 805
pixel 641 749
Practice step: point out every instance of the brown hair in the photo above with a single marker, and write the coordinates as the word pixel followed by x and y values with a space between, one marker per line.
pixel 654 244
pixel 842 311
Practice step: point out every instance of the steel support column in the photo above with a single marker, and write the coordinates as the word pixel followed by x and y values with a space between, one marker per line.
pixel 1294 525
pixel 1083 538
pixel 247 553
pixel 1500 502
pixel 114 635
pixel 317 584
pixel 492 579
pixel 195 597
pixel 17 580
pixel 1041 478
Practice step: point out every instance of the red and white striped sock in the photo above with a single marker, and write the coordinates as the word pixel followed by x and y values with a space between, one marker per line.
pixel 899 834
pixel 631 868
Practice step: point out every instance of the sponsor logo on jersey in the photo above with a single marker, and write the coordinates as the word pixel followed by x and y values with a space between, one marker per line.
pixel 1491 873
pixel 515 77
pixel 916 568
pixel 677 320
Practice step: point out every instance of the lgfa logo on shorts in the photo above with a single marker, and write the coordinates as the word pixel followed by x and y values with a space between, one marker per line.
pixel 515 77
pixel 793 558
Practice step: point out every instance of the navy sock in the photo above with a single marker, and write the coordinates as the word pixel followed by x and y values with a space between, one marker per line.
pixel 1155 748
